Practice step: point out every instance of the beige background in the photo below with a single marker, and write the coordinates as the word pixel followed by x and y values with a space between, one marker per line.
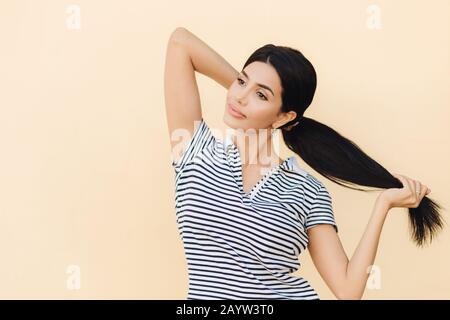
pixel 85 174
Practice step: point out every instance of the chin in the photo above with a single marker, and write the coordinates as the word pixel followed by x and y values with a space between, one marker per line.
pixel 229 121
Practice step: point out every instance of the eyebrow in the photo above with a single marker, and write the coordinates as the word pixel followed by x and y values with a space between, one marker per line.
pixel 259 84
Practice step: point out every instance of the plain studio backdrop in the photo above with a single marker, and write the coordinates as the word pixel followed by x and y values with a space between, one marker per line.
pixel 86 183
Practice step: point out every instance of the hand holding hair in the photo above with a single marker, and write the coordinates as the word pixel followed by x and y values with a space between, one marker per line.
pixel 409 196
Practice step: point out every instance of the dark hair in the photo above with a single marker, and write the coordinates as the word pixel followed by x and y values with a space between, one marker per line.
pixel 326 151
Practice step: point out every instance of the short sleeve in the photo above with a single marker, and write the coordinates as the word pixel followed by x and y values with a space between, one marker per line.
pixel 200 139
pixel 321 211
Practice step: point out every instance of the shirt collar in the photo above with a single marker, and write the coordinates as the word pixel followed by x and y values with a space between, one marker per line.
pixel 291 164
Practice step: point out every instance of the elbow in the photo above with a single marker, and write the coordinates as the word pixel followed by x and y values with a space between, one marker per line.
pixel 179 34
pixel 349 296
pixel 349 290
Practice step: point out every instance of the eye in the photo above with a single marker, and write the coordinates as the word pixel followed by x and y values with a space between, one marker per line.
pixel 261 96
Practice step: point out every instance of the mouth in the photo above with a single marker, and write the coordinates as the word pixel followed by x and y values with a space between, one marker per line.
pixel 235 113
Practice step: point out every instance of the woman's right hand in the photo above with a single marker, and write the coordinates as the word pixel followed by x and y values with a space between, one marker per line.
pixel 405 197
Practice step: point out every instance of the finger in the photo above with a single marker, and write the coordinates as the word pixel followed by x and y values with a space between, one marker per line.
pixel 404 182
pixel 412 190
pixel 406 177
pixel 412 186
pixel 424 192
pixel 407 185
pixel 418 189
pixel 421 190
pixel 400 178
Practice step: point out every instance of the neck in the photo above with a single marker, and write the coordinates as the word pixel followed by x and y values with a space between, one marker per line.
pixel 255 148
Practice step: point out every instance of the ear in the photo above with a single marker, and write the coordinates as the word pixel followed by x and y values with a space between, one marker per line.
pixel 284 118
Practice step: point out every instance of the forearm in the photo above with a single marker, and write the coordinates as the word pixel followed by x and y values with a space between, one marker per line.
pixel 364 255
pixel 204 59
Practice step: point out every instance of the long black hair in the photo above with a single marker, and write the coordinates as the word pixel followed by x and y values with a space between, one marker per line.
pixel 335 157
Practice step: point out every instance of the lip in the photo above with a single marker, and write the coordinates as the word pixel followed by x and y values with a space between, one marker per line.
pixel 235 113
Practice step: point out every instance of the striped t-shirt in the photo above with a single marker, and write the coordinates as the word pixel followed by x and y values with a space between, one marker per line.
pixel 244 245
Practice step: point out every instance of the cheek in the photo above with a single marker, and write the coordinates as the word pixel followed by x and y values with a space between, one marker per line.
pixel 260 112
pixel 256 109
pixel 232 90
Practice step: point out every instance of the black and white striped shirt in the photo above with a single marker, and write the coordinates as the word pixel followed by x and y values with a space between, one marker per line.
pixel 244 245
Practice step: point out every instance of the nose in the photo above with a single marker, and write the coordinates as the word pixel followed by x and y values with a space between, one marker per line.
pixel 241 99
pixel 241 96
pixel 241 103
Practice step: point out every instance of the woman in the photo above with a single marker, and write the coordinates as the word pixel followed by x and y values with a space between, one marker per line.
pixel 244 222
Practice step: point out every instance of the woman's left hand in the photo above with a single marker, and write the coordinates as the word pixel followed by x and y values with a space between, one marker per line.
pixel 407 196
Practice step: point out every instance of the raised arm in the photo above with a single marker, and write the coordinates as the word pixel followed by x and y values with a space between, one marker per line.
pixel 186 54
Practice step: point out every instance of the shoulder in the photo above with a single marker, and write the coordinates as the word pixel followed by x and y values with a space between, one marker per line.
pixel 303 179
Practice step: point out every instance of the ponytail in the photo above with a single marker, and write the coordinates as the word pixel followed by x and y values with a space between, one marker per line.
pixel 342 161
pixel 325 150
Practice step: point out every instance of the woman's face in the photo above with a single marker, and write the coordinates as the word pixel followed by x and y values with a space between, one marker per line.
pixel 256 93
